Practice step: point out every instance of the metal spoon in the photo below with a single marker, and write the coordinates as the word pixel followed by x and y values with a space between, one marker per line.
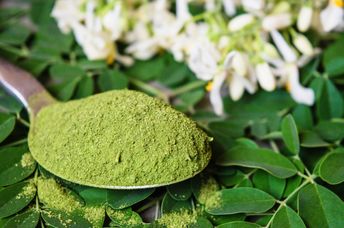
pixel 34 97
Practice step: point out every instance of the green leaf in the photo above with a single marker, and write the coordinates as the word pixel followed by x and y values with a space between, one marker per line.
pixel 287 218
pixel 146 70
pixel 239 224
pixel 65 80
pixel 15 197
pixel 303 117
pixel 85 88
pixel 192 98
pixel 268 183
pixel 231 180
pixel 290 134
pixel 119 199
pixel 201 222
pixel 334 59
pixel 330 130
pixel 123 218
pixel 274 163
pixel 112 79
pixel 220 219
pixel 60 219
pixel 331 168
pixel 116 199
pixel 319 207
pixel 180 191
pixel 16 164
pixel 7 123
pixel 16 34
pixel 9 103
pixel 27 219
pixel 311 139
pixel 241 200
pixel 170 205
pixel 330 102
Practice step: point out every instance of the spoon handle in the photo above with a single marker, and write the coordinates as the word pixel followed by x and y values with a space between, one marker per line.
pixel 24 87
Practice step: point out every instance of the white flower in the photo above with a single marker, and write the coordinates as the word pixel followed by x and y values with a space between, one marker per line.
pixel 144 49
pixel 67 13
pixel 182 10
pixel 276 21
pixel 236 87
pixel 265 77
pixel 215 93
pixel 299 93
pixel 113 21
pixel 203 59
pixel 239 64
pixel 332 16
pixel 283 47
pixel 239 22
pixel 304 19
pixel 253 5
pixel 303 44
pixel 96 45
pixel 229 7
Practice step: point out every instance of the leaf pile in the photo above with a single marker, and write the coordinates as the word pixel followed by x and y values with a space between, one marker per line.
pixel 275 163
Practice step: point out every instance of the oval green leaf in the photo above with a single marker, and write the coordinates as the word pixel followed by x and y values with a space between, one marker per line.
pixel 16 164
pixel 290 134
pixel 180 191
pixel 287 218
pixel 7 123
pixel 268 183
pixel 15 197
pixel 119 199
pixel 238 224
pixel 241 200
pixel 171 205
pixel 60 219
pixel 265 159
pixel 319 207
pixel 331 168
pixel 28 219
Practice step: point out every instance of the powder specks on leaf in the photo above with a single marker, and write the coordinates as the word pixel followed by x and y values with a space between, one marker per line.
pixel 27 160
pixel 182 219
pixel 120 138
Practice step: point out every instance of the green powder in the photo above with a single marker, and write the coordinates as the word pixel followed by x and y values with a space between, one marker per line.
pixel 182 219
pixel 209 194
pixel 124 217
pixel 118 138
pixel 27 160
pixel 54 196
pixel 28 190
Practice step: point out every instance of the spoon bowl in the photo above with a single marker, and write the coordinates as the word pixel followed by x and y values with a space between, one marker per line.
pixel 39 102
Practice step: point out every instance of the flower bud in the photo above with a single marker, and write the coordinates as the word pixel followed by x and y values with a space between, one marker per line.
pixel 276 21
pixel 240 22
pixel 303 45
pixel 283 47
pixel 265 77
pixel 270 51
pixel 236 88
pixel 304 19
pixel 239 65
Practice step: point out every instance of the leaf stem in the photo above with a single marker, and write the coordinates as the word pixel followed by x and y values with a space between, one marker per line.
pixel 188 87
pixel 15 143
pixel 285 201
pixel 22 121
pixel 147 88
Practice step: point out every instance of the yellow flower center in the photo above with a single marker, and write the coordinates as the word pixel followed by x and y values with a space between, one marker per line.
pixel 288 86
pixel 209 86
pixel 339 3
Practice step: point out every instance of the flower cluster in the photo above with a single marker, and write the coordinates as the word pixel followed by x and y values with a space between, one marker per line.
pixel 236 44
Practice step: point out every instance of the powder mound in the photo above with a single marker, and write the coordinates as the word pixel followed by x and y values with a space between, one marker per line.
pixel 182 219
pixel 118 138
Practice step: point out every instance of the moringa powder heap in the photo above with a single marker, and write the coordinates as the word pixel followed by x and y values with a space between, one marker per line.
pixel 118 138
